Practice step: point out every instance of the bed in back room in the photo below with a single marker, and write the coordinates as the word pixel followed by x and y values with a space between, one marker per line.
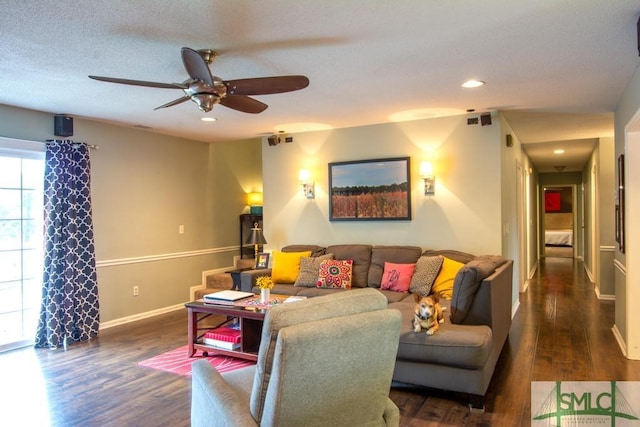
pixel 558 229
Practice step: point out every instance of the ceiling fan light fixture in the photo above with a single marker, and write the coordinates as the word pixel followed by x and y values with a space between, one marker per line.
pixel 205 101
pixel 472 83
pixel 208 119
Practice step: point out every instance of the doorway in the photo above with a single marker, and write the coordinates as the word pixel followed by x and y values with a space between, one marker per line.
pixel 559 221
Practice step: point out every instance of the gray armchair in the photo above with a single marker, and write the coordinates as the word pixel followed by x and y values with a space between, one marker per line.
pixel 325 361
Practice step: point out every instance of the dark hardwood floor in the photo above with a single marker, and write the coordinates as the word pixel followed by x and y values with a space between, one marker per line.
pixel 561 332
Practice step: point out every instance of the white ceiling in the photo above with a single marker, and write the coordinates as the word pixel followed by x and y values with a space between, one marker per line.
pixel 368 61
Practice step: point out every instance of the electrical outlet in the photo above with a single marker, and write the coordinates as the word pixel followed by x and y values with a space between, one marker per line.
pixel 181 229
pixel 136 291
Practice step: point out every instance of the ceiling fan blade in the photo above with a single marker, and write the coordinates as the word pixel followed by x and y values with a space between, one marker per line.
pixel 243 103
pixel 140 83
pixel 266 85
pixel 196 66
pixel 174 102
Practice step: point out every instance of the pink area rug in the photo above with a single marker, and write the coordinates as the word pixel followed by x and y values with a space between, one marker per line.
pixel 177 362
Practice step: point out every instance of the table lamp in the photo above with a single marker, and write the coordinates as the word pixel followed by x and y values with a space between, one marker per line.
pixel 256 238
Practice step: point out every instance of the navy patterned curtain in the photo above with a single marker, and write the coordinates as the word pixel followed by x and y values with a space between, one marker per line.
pixel 69 310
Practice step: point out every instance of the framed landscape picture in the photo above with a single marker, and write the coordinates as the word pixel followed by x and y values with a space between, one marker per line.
pixel 370 190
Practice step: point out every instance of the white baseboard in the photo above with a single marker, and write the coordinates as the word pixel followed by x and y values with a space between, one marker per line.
pixel 604 297
pixel 621 343
pixel 145 315
pixel 140 316
pixel 514 308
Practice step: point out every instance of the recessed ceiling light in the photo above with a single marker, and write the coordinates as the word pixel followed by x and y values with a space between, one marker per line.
pixel 208 119
pixel 558 151
pixel 472 83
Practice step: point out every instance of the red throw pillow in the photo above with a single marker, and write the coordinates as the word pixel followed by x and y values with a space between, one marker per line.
pixel 397 277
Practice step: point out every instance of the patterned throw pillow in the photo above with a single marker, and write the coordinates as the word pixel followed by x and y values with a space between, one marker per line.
pixel 397 277
pixel 309 269
pixel 335 274
pixel 427 269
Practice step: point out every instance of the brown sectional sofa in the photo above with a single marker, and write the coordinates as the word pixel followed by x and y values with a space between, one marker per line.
pixel 462 355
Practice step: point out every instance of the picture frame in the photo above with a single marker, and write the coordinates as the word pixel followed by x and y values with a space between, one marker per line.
pixel 620 237
pixel 370 190
pixel 262 261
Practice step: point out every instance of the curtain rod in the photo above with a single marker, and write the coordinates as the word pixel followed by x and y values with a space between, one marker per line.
pixel 92 146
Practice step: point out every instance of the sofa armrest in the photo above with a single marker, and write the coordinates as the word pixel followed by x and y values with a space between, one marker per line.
pixel 248 278
pixel 213 400
pixel 492 303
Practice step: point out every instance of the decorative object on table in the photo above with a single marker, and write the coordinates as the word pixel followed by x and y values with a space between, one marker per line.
pixel 256 302
pixel 262 261
pixel 372 190
pixel 256 238
pixel 265 284
pixel 255 200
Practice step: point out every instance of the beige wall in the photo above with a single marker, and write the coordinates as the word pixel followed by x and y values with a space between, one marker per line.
pixel 465 213
pixel 144 186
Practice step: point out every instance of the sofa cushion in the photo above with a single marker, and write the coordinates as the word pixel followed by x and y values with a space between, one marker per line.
pixel 394 254
pixel 361 257
pixel 462 257
pixel 397 277
pixel 315 249
pixel 443 285
pixel 309 269
pixel 427 269
pixel 467 282
pixel 335 274
pixel 286 266
pixel 393 296
pixel 463 346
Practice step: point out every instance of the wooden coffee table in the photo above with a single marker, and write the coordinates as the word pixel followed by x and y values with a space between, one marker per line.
pixel 250 320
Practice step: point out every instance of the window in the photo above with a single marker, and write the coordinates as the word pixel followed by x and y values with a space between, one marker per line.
pixel 21 219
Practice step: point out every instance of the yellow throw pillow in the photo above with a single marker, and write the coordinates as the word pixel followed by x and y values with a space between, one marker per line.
pixel 286 266
pixel 443 285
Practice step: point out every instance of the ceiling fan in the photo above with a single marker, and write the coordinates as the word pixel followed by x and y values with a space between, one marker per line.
pixel 206 90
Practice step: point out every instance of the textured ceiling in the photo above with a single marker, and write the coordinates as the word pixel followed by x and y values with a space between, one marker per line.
pixel 368 62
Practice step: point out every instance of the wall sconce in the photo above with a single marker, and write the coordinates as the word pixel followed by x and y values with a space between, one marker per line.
pixel 426 172
pixel 308 185
pixel 254 200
